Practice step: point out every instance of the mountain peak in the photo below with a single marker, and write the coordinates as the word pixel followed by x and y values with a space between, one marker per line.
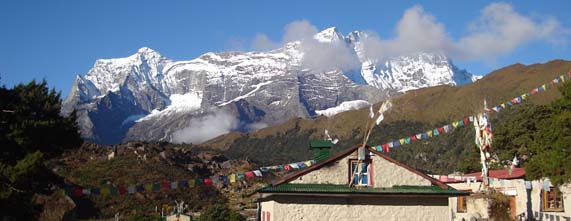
pixel 329 35
pixel 148 53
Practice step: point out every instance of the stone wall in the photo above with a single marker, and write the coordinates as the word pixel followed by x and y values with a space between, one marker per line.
pixel 385 173
pixel 356 208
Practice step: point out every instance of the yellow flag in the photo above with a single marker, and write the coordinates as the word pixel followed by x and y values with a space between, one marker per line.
pixel 148 187
pixel 455 124
pixel 429 133
pixel 232 178
pixel 105 191
pixel 401 141
pixel 191 183
pixel 308 163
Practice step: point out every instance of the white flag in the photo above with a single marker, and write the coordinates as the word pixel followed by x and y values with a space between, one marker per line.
pixel 379 119
pixel 371 114
pixel 385 107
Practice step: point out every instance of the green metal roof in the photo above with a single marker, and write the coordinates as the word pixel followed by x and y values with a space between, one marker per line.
pixel 345 189
pixel 320 143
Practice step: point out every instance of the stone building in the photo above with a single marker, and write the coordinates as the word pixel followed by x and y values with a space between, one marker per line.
pixel 356 184
pixel 537 199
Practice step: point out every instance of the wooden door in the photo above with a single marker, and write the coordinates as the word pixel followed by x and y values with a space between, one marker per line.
pixel 512 206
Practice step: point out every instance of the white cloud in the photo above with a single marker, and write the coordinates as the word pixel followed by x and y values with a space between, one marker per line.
pixel 262 43
pixel 206 128
pixel 327 56
pixel 498 31
pixel 299 30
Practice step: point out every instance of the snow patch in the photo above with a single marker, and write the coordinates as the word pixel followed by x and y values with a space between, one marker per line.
pixel 256 88
pixel 179 103
pixel 345 106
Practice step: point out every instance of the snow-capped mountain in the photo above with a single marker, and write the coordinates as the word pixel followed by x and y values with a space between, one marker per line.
pixel 147 96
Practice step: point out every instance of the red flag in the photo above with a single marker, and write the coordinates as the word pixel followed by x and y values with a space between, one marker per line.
pixel 165 185
pixel 122 190
pixel 466 120
pixel 441 129
pixel 77 191
pixel 413 138
pixel 386 148
pixel 250 174
pixel 207 182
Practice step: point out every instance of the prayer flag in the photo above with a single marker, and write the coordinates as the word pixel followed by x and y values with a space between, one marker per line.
pixel 249 174
pixel 308 163
pixel 424 135
pixel 105 191
pixel 131 189
pixel 224 180
pixel 86 191
pixel 287 167
pixel 191 183
pixel 174 185
pixel 259 173
pixel 114 191
pixel 419 136
pixel 371 113
pixel 441 129
pixel 232 178
pixel 301 165
pixel 379 119
pixel 240 175
pixel 435 132
pixel 390 144
pixel 148 187
pixel 429 133
pixel 156 187
pixel 413 138
pixel 198 181
pixel 455 124
pixel 207 181
pixel 379 148
pixel 471 118
pixel 265 170
pixel 294 166
pixel 122 190
pixel 140 188
pixel 466 121
pixel 407 140
pixel 95 191
pixel 396 143
pixel 77 191
pixel 401 141
pixel 165 185
pixel 447 128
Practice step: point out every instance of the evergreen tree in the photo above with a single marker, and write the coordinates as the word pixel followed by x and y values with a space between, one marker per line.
pixel 31 130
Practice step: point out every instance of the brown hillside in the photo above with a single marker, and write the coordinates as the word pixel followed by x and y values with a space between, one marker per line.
pixel 431 105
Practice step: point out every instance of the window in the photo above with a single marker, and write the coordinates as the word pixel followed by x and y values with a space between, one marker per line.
pixel 359 173
pixel 461 205
pixel 552 201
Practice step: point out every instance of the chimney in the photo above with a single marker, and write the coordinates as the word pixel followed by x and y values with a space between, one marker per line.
pixel 320 149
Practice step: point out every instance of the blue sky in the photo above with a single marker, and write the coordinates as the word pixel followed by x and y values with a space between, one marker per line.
pixel 57 40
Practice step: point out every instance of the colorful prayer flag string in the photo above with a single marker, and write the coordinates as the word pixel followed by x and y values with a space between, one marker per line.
pixel 385 147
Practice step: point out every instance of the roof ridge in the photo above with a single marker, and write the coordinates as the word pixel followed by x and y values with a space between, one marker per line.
pixel 351 150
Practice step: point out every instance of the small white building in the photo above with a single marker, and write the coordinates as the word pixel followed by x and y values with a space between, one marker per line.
pixel 528 199
pixel 353 186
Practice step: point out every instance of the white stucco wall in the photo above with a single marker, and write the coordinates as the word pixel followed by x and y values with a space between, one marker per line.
pixel 509 187
pixel 385 173
pixel 357 208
